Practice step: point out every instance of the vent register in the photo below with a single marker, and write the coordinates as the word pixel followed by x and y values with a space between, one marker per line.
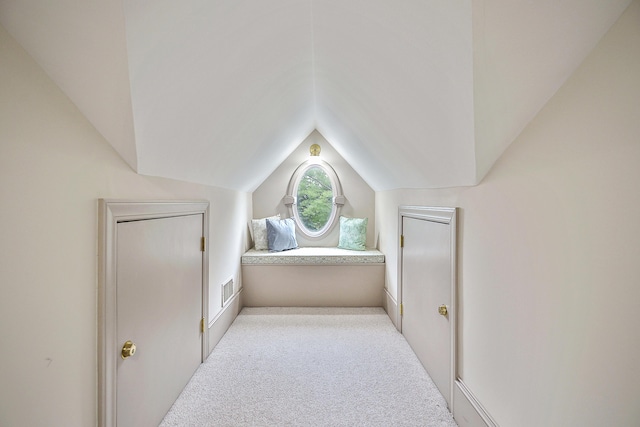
pixel 227 291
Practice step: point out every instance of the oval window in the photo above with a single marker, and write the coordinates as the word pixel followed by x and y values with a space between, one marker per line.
pixel 314 198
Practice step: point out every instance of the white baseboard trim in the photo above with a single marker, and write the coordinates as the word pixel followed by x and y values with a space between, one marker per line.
pixel 390 305
pixel 467 410
pixel 221 322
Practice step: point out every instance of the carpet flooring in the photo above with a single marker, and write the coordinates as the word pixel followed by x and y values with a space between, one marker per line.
pixel 311 367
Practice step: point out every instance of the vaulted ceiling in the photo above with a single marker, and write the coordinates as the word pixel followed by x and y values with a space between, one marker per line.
pixel 412 93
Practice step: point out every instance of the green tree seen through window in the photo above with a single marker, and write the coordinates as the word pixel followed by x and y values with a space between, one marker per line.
pixel 315 199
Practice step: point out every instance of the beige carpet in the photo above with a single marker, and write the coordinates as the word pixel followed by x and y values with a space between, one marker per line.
pixel 311 367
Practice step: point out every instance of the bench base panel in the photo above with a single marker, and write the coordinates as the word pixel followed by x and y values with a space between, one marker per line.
pixel 313 285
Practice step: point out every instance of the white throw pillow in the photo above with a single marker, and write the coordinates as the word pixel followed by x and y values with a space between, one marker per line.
pixel 259 232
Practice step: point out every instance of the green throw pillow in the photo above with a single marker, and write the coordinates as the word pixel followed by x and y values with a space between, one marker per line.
pixel 353 233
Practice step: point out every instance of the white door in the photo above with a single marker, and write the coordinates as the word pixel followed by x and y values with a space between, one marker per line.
pixel 159 308
pixel 426 285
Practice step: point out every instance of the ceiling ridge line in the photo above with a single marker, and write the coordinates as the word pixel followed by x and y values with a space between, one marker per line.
pixel 313 65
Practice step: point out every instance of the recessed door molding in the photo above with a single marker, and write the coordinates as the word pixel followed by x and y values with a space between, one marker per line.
pixel 466 408
pixel 447 216
pixel 110 213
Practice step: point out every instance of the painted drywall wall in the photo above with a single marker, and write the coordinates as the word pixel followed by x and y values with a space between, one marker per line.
pixel 54 166
pixel 524 52
pixel 88 62
pixel 267 199
pixel 548 248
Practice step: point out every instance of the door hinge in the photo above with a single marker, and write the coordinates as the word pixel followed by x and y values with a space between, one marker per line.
pixel 203 244
pixel 401 309
pixel 202 325
pixel 402 240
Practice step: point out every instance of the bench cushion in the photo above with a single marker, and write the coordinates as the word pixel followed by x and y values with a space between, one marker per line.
pixel 313 256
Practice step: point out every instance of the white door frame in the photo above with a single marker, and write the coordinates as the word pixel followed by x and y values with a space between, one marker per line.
pixel 447 216
pixel 110 213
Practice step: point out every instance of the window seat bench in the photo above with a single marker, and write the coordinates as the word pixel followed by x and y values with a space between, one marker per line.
pixel 313 277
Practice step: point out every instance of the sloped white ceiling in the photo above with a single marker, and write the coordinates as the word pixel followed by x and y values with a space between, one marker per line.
pixel 394 87
pixel 81 45
pixel 523 52
pixel 222 90
pixel 413 94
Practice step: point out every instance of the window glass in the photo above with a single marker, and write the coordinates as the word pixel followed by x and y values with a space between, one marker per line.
pixel 314 199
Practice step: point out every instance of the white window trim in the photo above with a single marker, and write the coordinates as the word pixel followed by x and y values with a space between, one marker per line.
pixel 338 198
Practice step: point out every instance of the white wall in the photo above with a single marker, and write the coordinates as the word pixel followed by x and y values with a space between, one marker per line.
pixel 513 44
pixel 53 167
pixel 267 199
pixel 548 253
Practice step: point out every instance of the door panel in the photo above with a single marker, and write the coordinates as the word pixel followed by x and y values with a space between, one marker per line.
pixel 426 284
pixel 159 307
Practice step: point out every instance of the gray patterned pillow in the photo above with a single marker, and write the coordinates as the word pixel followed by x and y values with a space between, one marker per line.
pixel 353 233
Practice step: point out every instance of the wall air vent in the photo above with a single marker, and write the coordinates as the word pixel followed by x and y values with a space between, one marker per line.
pixel 227 291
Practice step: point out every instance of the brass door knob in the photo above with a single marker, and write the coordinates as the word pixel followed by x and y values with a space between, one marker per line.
pixel 443 310
pixel 128 349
